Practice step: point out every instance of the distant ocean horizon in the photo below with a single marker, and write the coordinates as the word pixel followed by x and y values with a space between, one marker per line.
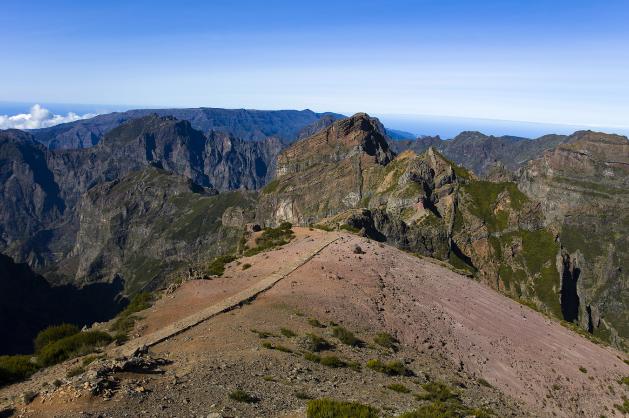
pixel 447 127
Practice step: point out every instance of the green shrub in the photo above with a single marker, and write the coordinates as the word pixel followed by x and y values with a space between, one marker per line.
pixel 624 408
pixel 287 333
pixel 315 343
pixel 329 408
pixel 437 391
pixel 312 357
pixel 75 371
pixel 346 336
pixel 583 369
pixel 302 395
pixel 262 334
pixel 54 333
pixel 242 396
pixel 271 238
pixel 386 340
pixel 277 347
pixel 125 320
pixel 392 368
pixel 483 382
pixel 398 387
pixel 72 346
pixel 246 266
pixel 15 368
pixel 433 410
pixel 216 267
pixel 624 381
pixel 332 361
pixel 315 323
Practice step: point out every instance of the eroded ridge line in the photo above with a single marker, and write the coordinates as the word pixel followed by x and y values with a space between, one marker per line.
pixel 225 305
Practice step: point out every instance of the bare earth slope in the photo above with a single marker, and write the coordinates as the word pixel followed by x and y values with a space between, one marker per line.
pixel 451 329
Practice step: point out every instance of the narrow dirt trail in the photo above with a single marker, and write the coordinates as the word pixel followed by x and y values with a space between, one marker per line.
pixel 179 326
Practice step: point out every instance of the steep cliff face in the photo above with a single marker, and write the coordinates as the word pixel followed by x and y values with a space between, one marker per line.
pixel 583 190
pixel 143 226
pixel 41 189
pixel 31 201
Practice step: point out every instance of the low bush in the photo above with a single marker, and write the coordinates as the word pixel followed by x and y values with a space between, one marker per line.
pixel 271 238
pixel 583 369
pixel 312 357
pixel 315 343
pixel 329 408
pixel 386 340
pixel 332 361
pixel 125 320
pixel 315 323
pixel 16 368
pixel 246 266
pixel 277 347
pixel 483 382
pixel 216 267
pixel 437 391
pixel 72 346
pixel 391 368
pixel 54 333
pixel 302 395
pixel 262 334
pixel 287 333
pixel 242 396
pixel 75 371
pixel 624 407
pixel 398 387
pixel 346 336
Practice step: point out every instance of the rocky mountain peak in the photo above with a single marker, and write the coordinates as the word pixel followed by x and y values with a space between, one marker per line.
pixel 357 136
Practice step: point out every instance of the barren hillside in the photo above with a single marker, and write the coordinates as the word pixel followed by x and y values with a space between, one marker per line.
pixel 489 351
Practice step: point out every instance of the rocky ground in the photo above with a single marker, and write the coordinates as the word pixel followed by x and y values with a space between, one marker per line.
pixel 491 351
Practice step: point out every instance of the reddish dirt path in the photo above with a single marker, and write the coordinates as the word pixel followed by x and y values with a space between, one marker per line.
pixel 194 296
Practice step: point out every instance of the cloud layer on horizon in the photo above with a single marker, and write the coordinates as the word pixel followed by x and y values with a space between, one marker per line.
pixel 39 117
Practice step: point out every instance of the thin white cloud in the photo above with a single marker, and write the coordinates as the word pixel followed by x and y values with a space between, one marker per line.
pixel 39 117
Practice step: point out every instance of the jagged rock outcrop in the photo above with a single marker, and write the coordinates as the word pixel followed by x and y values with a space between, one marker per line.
pixel 479 153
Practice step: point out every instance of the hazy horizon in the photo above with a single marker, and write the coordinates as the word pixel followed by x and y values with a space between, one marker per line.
pixel 445 126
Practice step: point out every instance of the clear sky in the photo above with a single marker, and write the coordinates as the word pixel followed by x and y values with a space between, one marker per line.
pixel 552 61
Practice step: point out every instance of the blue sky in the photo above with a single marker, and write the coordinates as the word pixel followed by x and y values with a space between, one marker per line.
pixel 552 61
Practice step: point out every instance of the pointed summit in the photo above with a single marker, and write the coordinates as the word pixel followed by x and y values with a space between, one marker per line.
pixel 357 136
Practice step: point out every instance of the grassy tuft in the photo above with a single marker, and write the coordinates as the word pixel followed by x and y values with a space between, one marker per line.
pixel 241 396
pixel 386 340
pixel 73 346
pixel 392 368
pixel 315 323
pixel 216 267
pixel 315 343
pixel 287 333
pixel 54 333
pixel 16 368
pixel 398 387
pixel 346 336
pixel 329 408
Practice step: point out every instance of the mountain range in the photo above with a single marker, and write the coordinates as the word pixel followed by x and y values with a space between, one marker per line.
pixel 137 196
